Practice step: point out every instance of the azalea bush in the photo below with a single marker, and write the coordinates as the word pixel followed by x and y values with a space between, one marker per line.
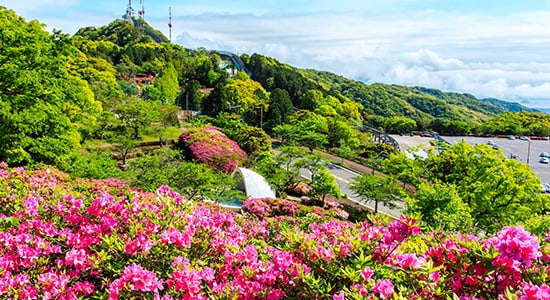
pixel 269 207
pixel 210 146
pixel 69 239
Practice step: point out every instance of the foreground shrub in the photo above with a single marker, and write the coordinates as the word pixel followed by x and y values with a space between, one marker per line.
pixel 64 239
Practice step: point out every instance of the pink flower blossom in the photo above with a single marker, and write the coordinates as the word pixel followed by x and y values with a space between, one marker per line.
pixel 533 292
pixel 77 258
pixel 339 296
pixel 367 273
pixel 515 242
pixel 411 261
pixel 135 278
pixel 384 288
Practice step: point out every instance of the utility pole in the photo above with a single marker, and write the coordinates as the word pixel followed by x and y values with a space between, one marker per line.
pixel 528 150
pixel 261 116
pixel 187 100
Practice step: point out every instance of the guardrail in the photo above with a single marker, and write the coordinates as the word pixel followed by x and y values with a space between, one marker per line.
pixel 381 137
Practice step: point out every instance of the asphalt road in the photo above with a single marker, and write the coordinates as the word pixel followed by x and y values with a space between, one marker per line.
pixel 343 178
pixel 527 150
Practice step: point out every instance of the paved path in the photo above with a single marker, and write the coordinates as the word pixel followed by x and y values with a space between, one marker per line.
pixel 345 172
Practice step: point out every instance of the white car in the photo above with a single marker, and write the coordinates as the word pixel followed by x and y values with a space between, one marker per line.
pixel 544 160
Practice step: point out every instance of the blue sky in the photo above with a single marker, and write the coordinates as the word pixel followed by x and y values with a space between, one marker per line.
pixel 486 48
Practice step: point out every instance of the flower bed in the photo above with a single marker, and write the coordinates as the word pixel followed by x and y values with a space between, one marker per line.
pixel 65 239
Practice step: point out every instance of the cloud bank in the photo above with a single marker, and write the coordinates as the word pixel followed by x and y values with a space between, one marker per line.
pixel 487 56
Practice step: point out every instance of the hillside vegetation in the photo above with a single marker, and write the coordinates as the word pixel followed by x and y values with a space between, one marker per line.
pixel 114 81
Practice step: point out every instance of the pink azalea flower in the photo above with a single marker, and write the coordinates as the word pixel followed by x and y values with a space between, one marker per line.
pixel 367 273
pixel 411 261
pixel 517 243
pixel 339 296
pixel 384 288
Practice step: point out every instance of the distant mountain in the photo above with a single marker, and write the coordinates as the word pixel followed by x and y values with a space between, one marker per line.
pixel 544 110
pixel 510 106
pixel 380 101
pixel 419 103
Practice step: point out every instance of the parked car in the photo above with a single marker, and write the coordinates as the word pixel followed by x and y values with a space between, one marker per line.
pixel 495 146
pixel 544 160
pixel 524 138
pixel 515 156
pixel 490 142
pixel 544 154
pixel 511 137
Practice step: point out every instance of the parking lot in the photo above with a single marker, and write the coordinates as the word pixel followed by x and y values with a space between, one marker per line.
pixel 527 150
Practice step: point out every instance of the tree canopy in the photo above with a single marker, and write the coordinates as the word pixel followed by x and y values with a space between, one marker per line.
pixel 42 105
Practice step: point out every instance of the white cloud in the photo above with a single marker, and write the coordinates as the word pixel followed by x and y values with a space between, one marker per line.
pixel 501 57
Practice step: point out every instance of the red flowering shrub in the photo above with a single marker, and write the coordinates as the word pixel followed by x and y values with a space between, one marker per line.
pixel 210 146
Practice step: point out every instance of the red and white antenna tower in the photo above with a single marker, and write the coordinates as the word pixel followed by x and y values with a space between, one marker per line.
pixel 170 23
pixel 129 10
pixel 141 11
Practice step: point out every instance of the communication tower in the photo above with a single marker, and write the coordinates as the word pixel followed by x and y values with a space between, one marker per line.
pixel 170 23
pixel 141 11
pixel 129 11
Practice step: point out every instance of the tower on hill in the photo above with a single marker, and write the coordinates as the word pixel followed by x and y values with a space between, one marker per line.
pixel 170 22
pixel 141 11
pixel 129 11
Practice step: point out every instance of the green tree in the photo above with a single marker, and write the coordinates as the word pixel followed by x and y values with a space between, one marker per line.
pixel 194 181
pixel 499 191
pixel 324 184
pixel 168 118
pixel 136 113
pixel 253 141
pixel 378 189
pixel 281 170
pixel 280 108
pixel 305 128
pixel 124 146
pixel 42 105
pixel 439 206
pixel 408 171
pixel 249 97
pixel 312 99
pixel 399 124
pixel 216 102
pixel 94 163
pixel 167 83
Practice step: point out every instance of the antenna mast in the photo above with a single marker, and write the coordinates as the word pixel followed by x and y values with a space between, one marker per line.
pixel 141 11
pixel 170 22
pixel 129 11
